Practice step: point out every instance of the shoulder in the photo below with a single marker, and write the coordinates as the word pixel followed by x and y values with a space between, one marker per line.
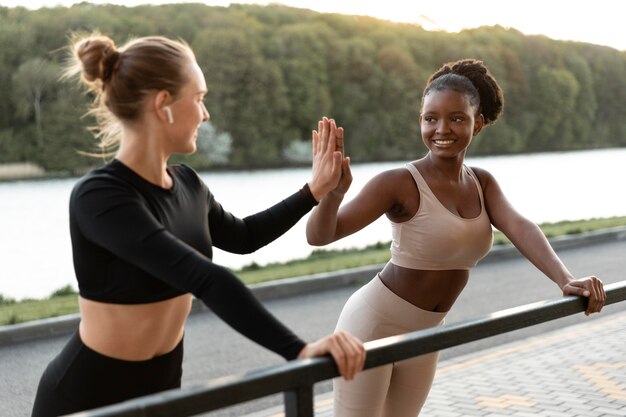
pixel 99 178
pixel 481 174
pixel 389 189
pixel 392 176
pixel 484 176
pixel 186 175
pixel 99 187
pixel 188 178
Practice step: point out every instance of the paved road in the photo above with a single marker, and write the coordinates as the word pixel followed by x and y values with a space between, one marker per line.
pixel 212 349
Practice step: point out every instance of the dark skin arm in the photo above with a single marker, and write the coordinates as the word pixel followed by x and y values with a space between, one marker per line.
pixel 383 194
pixel 532 243
pixel 391 192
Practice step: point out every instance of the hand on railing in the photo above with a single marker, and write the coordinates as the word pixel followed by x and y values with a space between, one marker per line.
pixel 347 351
pixel 590 287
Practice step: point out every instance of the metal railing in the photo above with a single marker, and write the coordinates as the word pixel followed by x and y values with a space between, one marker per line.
pixel 296 378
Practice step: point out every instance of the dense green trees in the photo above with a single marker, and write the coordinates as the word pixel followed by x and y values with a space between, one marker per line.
pixel 272 71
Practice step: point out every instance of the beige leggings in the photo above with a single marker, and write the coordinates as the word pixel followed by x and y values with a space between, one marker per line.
pixel 395 390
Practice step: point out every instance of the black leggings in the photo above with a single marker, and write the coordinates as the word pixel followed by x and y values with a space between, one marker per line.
pixel 80 379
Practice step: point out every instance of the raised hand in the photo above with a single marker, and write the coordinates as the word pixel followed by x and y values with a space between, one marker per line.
pixel 327 159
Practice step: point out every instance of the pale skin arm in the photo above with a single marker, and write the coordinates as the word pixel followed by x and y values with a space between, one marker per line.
pixel 532 243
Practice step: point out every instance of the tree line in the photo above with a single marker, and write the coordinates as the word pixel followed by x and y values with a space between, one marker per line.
pixel 273 71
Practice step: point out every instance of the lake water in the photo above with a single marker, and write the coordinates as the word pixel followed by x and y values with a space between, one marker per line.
pixel 34 233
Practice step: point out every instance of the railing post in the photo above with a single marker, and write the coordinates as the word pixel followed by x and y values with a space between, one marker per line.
pixel 299 402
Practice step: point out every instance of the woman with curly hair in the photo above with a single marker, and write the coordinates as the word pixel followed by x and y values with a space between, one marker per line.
pixel 441 213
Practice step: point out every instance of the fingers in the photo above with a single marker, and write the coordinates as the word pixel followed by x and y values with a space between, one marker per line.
pixel 315 142
pixel 590 287
pixel 345 168
pixel 597 296
pixel 330 137
pixel 332 145
pixel 339 143
pixel 576 288
pixel 346 176
pixel 348 353
pixel 336 168
pixel 327 164
pixel 320 136
pixel 346 350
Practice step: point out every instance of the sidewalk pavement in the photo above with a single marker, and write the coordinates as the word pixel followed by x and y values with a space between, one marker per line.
pixel 577 371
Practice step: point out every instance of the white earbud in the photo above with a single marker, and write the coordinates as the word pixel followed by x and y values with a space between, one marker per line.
pixel 170 118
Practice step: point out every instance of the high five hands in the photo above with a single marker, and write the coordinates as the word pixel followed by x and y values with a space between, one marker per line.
pixel 331 169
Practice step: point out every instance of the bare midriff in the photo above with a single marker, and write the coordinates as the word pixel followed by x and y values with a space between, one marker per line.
pixel 428 290
pixel 133 332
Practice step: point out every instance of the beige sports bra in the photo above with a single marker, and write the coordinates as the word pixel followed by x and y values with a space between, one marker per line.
pixel 437 239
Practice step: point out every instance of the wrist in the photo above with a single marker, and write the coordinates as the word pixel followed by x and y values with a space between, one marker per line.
pixel 316 193
pixel 564 280
pixel 311 193
pixel 337 194
pixel 303 352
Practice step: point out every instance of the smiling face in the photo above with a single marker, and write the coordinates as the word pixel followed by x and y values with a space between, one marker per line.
pixel 448 122
pixel 188 112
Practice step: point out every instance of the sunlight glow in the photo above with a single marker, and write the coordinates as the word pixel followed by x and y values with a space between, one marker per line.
pixel 599 23
pixel 563 20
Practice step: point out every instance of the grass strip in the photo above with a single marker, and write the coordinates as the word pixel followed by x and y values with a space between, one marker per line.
pixel 64 300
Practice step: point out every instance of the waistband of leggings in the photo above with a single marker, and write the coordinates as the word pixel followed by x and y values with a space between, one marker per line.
pixel 175 354
pixel 388 303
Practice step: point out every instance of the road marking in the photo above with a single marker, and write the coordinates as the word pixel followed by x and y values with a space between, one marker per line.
pixel 544 340
pixel 505 401
pixel 597 375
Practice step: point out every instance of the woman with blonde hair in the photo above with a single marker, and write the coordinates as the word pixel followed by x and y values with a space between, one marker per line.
pixel 142 235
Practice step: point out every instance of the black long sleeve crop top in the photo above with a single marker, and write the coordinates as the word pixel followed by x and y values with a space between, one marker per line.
pixel 134 242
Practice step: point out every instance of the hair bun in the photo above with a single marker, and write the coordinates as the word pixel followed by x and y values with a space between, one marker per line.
pixel 98 56
pixel 110 63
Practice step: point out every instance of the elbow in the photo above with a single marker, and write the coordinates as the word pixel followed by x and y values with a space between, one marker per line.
pixel 317 235
pixel 311 236
pixel 313 241
pixel 245 248
pixel 316 240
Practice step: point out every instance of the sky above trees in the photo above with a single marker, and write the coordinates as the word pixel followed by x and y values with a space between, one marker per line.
pixel 597 22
